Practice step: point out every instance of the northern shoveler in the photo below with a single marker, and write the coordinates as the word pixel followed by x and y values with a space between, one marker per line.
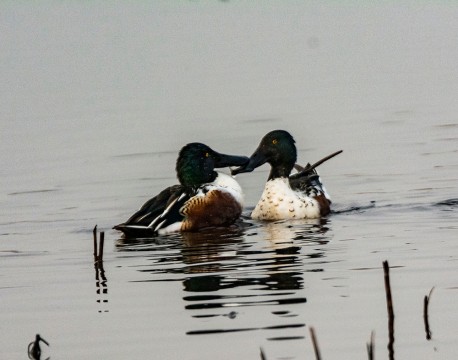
pixel 298 196
pixel 204 198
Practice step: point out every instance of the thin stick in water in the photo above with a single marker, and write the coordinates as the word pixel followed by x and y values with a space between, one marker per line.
pixel 315 344
pixel 263 357
pixel 425 314
pixel 319 162
pixel 370 347
pixel 94 232
pixel 389 305
pixel 102 241
pixel 309 167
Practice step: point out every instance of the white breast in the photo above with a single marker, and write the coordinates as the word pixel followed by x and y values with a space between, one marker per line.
pixel 226 183
pixel 279 201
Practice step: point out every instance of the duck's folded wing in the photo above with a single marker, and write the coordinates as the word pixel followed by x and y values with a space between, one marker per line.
pixel 312 186
pixel 309 182
pixel 171 217
pixel 145 219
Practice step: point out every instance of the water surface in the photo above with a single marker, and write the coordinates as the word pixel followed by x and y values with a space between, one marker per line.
pixel 97 99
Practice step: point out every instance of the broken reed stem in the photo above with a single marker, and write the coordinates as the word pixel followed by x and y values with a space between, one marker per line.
pixel 319 162
pixel 389 305
pixel 102 241
pixel 315 344
pixel 263 357
pixel 94 232
pixel 98 255
pixel 370 347
pixel 309 167
pixel 425 314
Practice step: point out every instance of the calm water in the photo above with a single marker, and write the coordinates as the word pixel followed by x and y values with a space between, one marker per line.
pixel 96 101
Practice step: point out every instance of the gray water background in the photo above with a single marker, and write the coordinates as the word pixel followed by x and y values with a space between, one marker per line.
pixel 96 99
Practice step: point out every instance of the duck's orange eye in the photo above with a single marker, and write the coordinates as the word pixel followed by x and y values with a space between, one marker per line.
pixel 207 154
pixel 274 141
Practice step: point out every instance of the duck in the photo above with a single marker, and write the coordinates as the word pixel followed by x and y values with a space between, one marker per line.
pixel 203 198
pixel 287 196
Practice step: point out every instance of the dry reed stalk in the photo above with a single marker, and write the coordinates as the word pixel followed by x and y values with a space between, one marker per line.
pixel 315 344
pixel 425 314
pixel 389 305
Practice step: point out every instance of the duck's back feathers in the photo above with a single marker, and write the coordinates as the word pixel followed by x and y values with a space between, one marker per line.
pixel 155 206
pixel 310 184
pixel 178 208
pixel 150 217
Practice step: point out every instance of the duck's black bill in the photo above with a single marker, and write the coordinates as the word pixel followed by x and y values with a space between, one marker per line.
pixel 256 160
pixel 224 160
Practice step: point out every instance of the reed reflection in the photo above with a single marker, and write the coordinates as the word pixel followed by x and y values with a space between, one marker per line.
pixel 229 262
pixel 100 277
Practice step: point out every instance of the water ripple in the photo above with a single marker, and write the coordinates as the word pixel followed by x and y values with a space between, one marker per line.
pixel 251 266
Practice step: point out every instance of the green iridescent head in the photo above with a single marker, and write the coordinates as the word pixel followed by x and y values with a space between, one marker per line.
pixel 276 148
pixel 196 163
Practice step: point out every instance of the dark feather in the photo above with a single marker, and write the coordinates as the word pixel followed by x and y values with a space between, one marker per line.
pixel 152 209
pixel 172 213
pixel 306 181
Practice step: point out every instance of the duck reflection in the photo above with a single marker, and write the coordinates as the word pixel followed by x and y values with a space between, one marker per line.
pixel 259 264
pixel 228 258
pixel 207 252
pixel 272 264
pixel 284 234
